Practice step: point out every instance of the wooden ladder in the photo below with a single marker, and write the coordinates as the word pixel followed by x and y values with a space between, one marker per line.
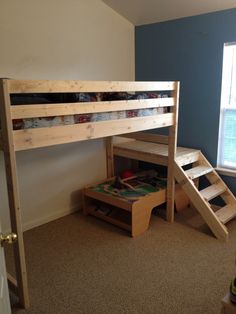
pixel 216 219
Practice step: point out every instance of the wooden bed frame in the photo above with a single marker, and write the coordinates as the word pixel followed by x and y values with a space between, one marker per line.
pixel 12 141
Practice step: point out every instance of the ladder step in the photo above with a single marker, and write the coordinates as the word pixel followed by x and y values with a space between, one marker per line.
pixel 226 213
pixel 198 171
pixel 187 158
pixel 213 191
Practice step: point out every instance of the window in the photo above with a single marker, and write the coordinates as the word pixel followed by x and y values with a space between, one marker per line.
pixel 227 134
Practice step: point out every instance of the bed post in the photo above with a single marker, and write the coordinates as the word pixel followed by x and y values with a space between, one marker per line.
pixel 171 156
pixel 110 156
pixel 13 194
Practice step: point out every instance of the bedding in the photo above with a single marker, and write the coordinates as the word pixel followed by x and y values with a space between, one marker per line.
pixel 83 98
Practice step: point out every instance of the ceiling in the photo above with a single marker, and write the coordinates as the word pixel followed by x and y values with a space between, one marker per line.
pixel 141 12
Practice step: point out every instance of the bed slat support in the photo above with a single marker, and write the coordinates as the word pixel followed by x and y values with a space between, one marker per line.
pixel 13 194
pixel 110 156
pixel 62 134
pixel 60 86
pixel 172 141
pixel 51 110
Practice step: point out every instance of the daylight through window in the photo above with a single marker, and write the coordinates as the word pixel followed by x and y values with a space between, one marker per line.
pixel 227 135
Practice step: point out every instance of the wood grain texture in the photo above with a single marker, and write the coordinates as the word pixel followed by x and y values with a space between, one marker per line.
pixel 41 137
pixel 172 144
pixel 13 193
pixel 200 204
pixel 109 156
pixel 147 137
pixel 51 110
pixel 139 210
pixel 72 86
pixel 12 141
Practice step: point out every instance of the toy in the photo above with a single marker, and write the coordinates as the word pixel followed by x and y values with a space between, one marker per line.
pixel 126 174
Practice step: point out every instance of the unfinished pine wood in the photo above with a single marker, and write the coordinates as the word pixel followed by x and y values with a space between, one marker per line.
pixel 213 177
pixel 109 199
pixel 140 219
pixel 12 141
pixel 51 110
pixel 110 157
pixel 172 143
pixel 116 222
pixel 50 86
pixel 42 137
pixel 153 152
pixel 185 157
pixel 226 213
pixel 147 137
pixel 157 154
pixel 181 199
pixel 13 193
pixel 198 171
pixel 140 210
pixel 200 204
pixel 142 151
pixel 212 191
pixel 200 199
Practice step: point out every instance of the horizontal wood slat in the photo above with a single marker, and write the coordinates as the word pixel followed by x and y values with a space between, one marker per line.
pixel 109 219
pixel 55 86
pixel 40 137
pixel 51 110
pixel 187 158
pixel 212 191
pixel 200 204
pixel 198 171
pixel 109 199
pixel 226 213
pixel 148 137
pixel 141 156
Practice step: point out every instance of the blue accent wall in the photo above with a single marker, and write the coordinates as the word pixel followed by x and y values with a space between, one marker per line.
pixel 190 50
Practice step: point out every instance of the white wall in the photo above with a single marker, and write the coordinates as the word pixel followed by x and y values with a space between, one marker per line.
pixel 60 39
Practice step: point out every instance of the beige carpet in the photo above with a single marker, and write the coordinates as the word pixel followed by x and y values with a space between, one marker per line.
pixel 83 265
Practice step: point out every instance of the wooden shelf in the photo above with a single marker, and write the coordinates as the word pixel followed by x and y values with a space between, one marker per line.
pixel 153 152
pixel 116 216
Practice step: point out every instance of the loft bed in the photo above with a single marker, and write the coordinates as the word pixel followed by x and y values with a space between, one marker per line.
pixel 28 122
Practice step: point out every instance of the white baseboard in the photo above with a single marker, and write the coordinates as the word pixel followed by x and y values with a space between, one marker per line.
pixel 43 220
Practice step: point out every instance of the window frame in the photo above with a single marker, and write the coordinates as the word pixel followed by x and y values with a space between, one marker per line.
pixel 224 106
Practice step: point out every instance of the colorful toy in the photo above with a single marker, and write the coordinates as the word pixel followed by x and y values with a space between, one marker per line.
pixel 126 174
